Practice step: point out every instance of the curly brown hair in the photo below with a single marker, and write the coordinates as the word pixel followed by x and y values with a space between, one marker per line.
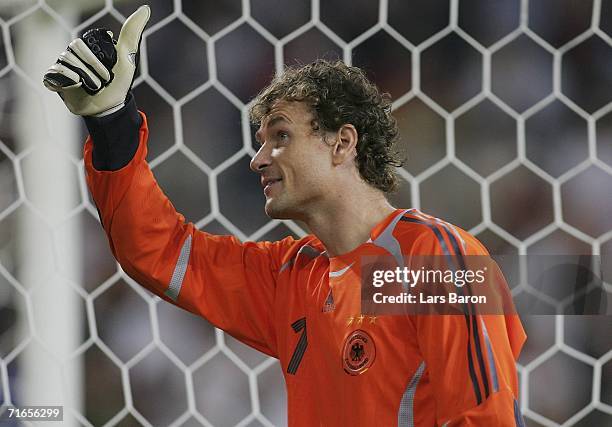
pixel 339 94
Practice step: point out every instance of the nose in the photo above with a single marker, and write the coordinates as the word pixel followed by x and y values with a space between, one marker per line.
pixel 261 159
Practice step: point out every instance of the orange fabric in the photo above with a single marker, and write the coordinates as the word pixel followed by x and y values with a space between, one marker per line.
pixel 257 291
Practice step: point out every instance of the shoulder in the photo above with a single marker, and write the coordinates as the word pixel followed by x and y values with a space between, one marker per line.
pixel 420 233
pixel 287 250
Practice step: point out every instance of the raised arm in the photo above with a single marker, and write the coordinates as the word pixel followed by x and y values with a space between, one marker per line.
pixel 231 284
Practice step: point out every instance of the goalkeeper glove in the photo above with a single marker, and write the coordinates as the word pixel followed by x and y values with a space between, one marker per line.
pixel 94 75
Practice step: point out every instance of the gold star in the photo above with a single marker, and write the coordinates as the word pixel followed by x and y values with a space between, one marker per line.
pixel 360 319
pixel 349 321
pixel 372 320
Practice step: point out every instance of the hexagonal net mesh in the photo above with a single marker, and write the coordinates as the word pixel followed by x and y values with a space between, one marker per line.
pixel 505 114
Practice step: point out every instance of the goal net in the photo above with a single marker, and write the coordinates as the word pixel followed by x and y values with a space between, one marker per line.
pixel 505 113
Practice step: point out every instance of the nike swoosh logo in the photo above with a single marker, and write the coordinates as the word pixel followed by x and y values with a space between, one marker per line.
pixel 340 272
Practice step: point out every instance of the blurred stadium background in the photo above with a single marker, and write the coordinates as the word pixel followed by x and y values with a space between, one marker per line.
pixel 505 109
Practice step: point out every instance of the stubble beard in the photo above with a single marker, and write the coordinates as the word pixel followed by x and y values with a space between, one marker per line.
pixel 288 206
pixel 277 208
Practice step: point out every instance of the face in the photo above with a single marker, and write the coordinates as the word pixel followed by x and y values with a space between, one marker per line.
pixel 293 161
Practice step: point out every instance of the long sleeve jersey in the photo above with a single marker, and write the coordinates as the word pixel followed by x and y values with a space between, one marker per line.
pixel 292 301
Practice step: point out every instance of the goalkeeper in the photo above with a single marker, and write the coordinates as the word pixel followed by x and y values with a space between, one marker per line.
pixel 325 135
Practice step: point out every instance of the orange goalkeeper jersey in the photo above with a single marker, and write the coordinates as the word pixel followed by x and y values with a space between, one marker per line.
pixel 291 301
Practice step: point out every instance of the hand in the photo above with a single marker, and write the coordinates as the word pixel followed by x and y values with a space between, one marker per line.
pixel 94 74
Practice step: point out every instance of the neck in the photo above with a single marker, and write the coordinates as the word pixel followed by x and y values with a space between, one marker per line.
pixel 346 220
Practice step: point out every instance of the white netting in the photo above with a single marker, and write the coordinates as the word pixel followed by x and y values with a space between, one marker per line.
pixel 505 109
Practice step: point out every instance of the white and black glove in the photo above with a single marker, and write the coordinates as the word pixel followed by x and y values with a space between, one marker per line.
pixel 94 74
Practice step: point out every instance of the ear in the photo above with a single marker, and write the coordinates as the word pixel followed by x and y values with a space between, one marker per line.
pixel 345 147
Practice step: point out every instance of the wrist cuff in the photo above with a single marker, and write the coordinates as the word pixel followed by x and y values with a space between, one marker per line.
pixel 115 136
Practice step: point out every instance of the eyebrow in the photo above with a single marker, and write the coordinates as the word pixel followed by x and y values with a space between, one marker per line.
pixel 277 119
pixel 271 123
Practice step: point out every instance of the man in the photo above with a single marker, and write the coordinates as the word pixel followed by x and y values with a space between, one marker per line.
pixel 325 158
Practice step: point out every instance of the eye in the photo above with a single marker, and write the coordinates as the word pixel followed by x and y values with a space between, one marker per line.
pixel 282 135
